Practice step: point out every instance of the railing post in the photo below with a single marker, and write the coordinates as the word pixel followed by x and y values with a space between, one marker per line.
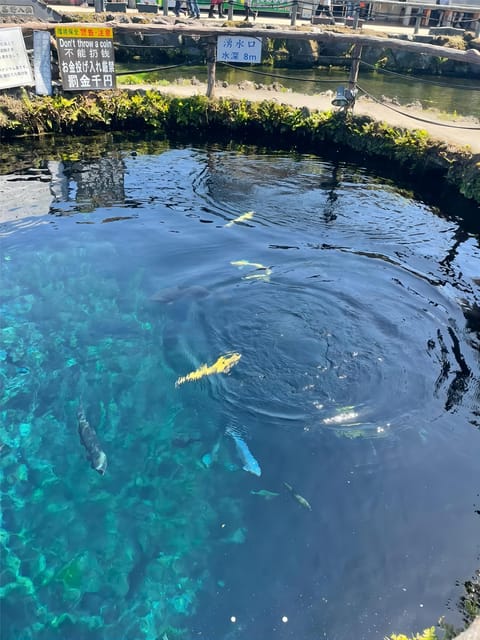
pixel 418 20
pixel 293 17
pixel 356 16
pixel 230 9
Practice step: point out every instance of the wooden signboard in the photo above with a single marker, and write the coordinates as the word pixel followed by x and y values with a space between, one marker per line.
pixel 86 58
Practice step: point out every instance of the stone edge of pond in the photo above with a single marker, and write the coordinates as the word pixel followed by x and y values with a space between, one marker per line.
pixel 258 122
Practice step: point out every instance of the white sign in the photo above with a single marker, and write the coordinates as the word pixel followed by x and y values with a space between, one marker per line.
pixel 42 65
pixel 15 69
pixel 239 49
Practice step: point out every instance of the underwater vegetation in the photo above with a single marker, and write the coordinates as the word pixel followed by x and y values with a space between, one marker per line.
pixel 85 554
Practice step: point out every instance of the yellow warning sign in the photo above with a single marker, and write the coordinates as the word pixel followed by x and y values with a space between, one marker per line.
pixel 84 32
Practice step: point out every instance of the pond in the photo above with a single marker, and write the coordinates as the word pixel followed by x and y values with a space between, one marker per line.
pixel 321 481
pixel 448 95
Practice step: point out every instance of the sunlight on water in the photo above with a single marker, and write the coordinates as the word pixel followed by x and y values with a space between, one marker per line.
pixel 278 357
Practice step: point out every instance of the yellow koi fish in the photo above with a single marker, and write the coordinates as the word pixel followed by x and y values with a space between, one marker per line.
pixel 255 265
pixel 222 365
pixel 245 216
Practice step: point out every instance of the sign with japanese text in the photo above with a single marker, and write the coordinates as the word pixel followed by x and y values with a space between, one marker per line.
pixel 15 10
pixel 86 58
pixel 239 49
pixel 15 69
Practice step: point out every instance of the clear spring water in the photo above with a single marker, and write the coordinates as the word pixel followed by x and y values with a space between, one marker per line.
pixel 357 386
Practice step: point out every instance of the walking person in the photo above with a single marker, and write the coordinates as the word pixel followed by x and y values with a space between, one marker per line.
pixel 248 10
pixel 193 9
pixel 179 9
pixel 219 5
pixel 324 7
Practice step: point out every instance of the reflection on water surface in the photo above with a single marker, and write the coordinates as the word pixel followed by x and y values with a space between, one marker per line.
pixel 352 308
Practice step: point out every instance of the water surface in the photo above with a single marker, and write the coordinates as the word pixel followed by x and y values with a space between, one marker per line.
pixel 450 95
pixel 354 307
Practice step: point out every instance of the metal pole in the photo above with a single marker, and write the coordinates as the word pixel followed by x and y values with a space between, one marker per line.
pixel 230 10
pixel 293 17
pixel 211 66
pixel 477 29
pixel 165 7
pixel 99 6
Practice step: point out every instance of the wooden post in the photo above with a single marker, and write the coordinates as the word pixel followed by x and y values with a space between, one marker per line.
pixel 211 66
pixel 353 77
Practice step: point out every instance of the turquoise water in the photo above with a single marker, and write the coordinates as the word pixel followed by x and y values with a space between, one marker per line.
pixel 352 304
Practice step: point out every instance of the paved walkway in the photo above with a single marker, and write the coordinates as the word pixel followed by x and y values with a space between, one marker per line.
pixel 269 19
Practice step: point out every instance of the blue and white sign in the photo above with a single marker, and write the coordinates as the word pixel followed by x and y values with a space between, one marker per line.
pixel 42 66
pixel 239 49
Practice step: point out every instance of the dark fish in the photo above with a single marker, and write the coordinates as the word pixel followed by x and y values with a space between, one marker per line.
pixel 117 218
pixel 300 499
pixel 184 441
pixel 88 437
pixel 172 294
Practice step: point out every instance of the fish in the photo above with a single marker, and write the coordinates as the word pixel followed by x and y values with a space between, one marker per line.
pixel 183 441
pixel 222 365
pixel 209 458
pixel 264 493
pixel 249 462
pixel 256 265
pixel 300 499
pixel 170 295
pixel 88 437
pixel 245 216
